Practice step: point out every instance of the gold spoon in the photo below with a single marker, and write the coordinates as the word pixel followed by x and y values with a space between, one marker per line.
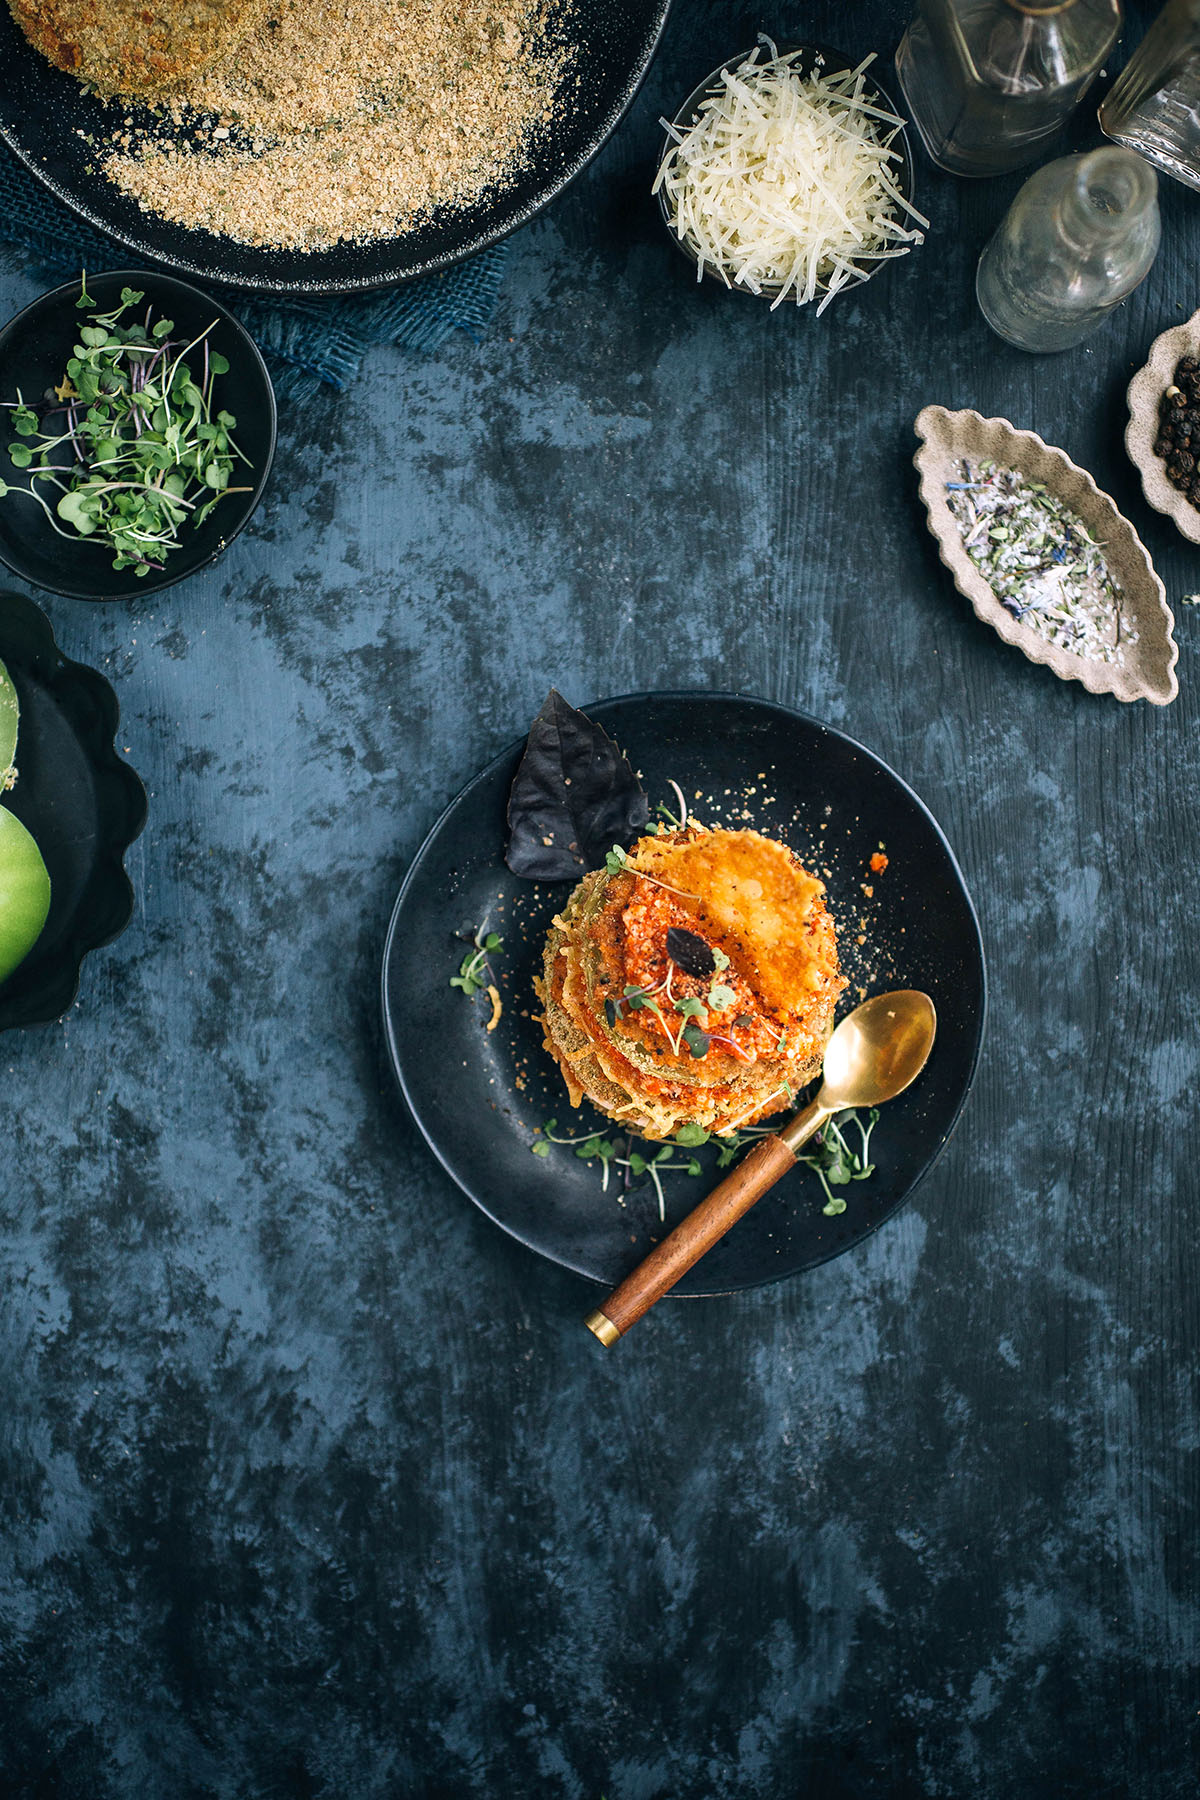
pixel 874 1054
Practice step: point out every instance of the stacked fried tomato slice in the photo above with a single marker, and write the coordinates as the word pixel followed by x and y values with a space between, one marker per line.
pixel 692 982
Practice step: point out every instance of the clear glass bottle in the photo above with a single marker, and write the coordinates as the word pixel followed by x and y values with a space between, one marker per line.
pixel 1077 239
pixel 988 81
pixel 1154 104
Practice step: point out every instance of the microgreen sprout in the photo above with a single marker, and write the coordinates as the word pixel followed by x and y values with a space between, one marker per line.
pixel 617 1153
pixel 640 998
pixel 618 862
pixel 633 999
pixel 677 821
pixel 732 1142
pixel 473 971
pixel 835 1162
pixel 832 1158
pixel 129 438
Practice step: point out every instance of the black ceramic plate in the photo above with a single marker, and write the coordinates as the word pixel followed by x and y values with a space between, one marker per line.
pixel 34 347
pixel 51 123
pixel 477 1096
pixel 83 805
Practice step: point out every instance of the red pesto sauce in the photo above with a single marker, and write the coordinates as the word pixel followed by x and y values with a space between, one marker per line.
pixel 743 1029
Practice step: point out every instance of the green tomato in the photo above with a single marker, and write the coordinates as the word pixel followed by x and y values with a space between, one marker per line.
pixel 9 713
pixel 24 893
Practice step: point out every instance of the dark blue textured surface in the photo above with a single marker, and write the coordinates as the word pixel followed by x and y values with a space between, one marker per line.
pixel 311 1482
pixel 306 341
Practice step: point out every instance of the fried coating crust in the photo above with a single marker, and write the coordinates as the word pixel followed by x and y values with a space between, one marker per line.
pixel 765 1027
pixel 133 47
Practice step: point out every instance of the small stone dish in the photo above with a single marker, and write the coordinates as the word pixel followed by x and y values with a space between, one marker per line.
pixel 1144 393
pixel 81 802
pixel 34 348
pixel 811 59
pixel 1148 672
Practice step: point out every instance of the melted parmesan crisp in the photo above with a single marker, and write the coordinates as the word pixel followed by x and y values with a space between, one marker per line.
pixel 757 896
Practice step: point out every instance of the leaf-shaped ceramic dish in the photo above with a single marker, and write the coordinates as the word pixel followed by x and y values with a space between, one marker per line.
pixel 1148 672
pixel 83 804
pixel 1143 394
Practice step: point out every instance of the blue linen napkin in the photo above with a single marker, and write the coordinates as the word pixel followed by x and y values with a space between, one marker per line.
pixel 306 342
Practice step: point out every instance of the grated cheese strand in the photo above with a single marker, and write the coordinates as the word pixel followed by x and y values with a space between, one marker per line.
pixel 783 183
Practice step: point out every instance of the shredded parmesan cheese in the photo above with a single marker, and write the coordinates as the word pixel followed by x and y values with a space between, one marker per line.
pixel 785 183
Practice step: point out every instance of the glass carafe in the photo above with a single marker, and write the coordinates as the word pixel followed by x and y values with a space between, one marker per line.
pixel 989 81
pixel 1077 239
pixel 1154 105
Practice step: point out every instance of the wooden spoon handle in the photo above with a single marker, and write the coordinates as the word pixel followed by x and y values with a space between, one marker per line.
pixel 758 1171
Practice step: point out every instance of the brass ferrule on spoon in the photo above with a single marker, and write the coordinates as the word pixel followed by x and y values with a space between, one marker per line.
pixel 873 1055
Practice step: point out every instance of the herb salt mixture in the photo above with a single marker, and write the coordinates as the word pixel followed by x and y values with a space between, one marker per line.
pixel 347 119
pixel 1040 561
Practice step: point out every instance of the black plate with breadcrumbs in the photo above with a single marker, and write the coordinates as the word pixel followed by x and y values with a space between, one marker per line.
pixel 480 1097
pixel 54 124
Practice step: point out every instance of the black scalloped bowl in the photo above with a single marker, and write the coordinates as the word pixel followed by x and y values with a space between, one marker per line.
pixel 53 122
pixel 82 803
pixel 34 347
pixel 810 59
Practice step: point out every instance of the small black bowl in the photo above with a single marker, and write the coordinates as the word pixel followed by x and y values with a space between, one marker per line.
pixel 34 348
pixel 81 802
pixel 811 59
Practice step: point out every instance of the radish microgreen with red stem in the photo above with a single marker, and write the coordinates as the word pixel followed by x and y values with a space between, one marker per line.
pixel 677 822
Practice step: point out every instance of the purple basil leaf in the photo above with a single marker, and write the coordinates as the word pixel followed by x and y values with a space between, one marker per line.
pixel 573 797
pixel 689 952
